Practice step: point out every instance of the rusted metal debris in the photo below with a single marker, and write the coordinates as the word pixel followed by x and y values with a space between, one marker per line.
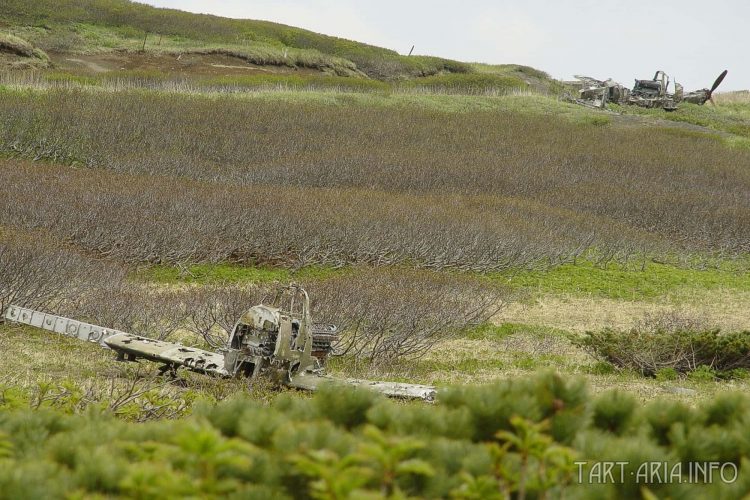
pixel 652 93
pixel 277 341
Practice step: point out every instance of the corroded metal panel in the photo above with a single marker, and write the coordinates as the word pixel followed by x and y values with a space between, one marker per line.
pixel 59 324
pixel 311 381
pixel 168 352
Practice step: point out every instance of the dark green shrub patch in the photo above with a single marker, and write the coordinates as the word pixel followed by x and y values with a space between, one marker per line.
pixel 703 354
pixel 532 438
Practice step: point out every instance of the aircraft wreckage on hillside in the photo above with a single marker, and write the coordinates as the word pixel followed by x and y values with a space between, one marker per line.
pixel 652 93
pixel 277 341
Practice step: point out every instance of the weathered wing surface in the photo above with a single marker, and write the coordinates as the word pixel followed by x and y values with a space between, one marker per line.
pixel 589 82
pixel 58 324
pixel 134 346
pixel 126 345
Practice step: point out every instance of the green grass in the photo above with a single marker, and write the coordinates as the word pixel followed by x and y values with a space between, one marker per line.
pixel 467 365
pixel 467 83
pixel 618 282
pixel 582 279
pixel 489 331
pixel 731 119
pixel 531 104
pixel 368 95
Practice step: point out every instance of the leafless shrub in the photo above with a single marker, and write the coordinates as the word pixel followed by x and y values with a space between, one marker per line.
pixel 132 308
pixel 142 219
pixel 38 273
pixel 385 315
pixel 670 322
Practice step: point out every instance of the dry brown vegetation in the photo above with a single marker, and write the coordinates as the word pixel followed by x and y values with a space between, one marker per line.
pixel 17 53
pixel 160 220
pixel 176 178
pixel 399 314
pixel 737 97
pixel 37 273
pixel 15 45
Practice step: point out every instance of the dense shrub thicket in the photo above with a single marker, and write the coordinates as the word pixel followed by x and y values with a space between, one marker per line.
pixel 136 218
pixel 656 352
pixel 518 439
pixel 295 184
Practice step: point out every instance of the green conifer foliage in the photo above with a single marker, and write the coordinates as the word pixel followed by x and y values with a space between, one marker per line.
pixel 539 437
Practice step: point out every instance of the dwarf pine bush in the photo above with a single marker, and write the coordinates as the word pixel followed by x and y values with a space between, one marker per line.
pixel 702 354
pixel 510 439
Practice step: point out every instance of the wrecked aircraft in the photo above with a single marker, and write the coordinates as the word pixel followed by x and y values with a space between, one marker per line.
pixel 645 93
pixel 278 341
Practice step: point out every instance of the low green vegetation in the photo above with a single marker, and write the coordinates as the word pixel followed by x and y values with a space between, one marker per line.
pixel 429 92
pixel 732 118
pixel 533 437
pixel 617 281
pixel 479 83
pixel 489 331
pixel 702 354
pixel 585 278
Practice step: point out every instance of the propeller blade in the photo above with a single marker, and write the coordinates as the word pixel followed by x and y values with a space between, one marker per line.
pixel 718 81
pixel 711 99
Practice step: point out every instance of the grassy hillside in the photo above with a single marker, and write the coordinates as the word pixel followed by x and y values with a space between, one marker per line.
pixel 79 25
pixel 98 41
